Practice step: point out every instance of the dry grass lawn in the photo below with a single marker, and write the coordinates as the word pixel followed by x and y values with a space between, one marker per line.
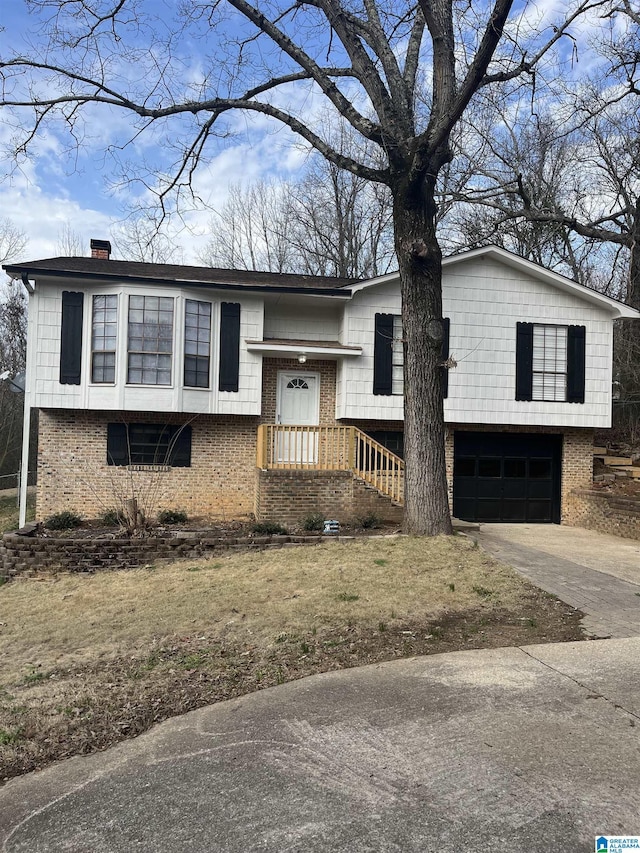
pixel 9 510
pixel 85 661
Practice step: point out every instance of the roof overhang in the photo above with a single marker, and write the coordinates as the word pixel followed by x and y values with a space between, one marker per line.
pixel 114 278
pixel 616 308
pixel 303 349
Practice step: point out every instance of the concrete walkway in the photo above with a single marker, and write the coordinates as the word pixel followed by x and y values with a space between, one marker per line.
pixel 525 750
pixel 595 573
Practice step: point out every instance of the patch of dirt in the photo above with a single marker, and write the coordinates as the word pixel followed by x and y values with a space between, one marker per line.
pixel 93 529
pixel 57 714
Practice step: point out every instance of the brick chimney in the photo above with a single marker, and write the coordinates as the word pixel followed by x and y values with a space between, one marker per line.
pixel 101 249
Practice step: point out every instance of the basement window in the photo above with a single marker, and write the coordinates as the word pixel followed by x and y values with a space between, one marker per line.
pixel 149 445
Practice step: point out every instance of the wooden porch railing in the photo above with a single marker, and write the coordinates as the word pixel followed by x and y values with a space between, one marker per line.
pixel 331 448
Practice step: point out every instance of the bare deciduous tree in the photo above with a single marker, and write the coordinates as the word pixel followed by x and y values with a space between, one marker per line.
pixel 70 243
pixel 139 239
pixel 13 241
pixel 400 75
pixel 251 232
pixel 330 222
pixel 13 348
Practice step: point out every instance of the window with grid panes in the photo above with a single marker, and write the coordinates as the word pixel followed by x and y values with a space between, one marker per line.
pixel 150 340
pixel 104 329
pixel 549 363
pixel 197 343
pixel 397 357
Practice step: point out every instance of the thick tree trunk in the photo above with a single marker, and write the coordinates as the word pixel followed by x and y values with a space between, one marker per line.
pixel 627 336
pixel 420 262
pixel 633 290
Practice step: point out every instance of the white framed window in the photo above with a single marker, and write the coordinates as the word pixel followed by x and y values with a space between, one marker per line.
pixel 197 343
pixel 549 379
pixel 104 333
pixel 150 340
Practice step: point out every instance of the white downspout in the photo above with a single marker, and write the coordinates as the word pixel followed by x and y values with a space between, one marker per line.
pixel 26 424
pixel 24 467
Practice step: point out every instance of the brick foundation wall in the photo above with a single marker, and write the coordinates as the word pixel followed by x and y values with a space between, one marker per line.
pixel 577 472
pixel 73 474
pixel 288 497
pixel 577 460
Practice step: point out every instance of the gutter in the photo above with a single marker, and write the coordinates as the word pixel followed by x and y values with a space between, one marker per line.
pixel 177 283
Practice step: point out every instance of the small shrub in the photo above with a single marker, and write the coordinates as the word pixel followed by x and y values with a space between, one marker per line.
pixel 172 516
pixel 380 562
pixel 63 521
pixel 368 522
pixel 313 522
pixel 113 518
pixel 268 528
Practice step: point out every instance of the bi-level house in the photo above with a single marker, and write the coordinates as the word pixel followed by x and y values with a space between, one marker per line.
pixel 227 393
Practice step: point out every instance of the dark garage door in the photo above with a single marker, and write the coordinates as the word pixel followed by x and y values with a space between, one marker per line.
pixel 507 477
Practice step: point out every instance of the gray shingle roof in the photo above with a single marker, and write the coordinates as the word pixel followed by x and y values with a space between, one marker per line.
pixel 176 274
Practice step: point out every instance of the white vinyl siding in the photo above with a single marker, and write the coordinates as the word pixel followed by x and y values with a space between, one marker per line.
pixel 484 299
pixel 549 363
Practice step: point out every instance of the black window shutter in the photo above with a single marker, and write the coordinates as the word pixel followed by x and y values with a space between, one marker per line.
pixel 71 338
pixel 229 346
pixel 383 354
pixel 446 325
pixel 117 444
pixel 576 339
pixel 180 456
pixel 524 361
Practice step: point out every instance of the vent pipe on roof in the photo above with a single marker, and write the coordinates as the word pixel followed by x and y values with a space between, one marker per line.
pixel 101 249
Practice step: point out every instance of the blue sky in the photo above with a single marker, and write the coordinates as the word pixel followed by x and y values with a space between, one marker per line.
pixel 57 187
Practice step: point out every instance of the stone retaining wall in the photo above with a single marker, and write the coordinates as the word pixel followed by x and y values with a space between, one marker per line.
pixel 606 513
pixel 29 556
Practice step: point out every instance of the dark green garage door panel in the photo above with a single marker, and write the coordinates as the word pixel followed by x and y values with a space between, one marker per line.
pixel 507 477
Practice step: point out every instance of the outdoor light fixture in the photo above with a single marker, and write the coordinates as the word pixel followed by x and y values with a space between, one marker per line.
pixel 302 358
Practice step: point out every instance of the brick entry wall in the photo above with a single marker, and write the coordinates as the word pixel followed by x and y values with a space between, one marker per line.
pixel 327 371
pixel 73 474
pixel 288 497
pixel 577 462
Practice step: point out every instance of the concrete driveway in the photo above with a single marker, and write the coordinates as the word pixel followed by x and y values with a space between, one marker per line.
pixel 595 573
pixel 525 749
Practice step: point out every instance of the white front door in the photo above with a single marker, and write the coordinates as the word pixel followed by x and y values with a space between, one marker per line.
pixel 298 404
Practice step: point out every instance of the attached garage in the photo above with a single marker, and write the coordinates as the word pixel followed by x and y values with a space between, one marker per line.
pixel 508 477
